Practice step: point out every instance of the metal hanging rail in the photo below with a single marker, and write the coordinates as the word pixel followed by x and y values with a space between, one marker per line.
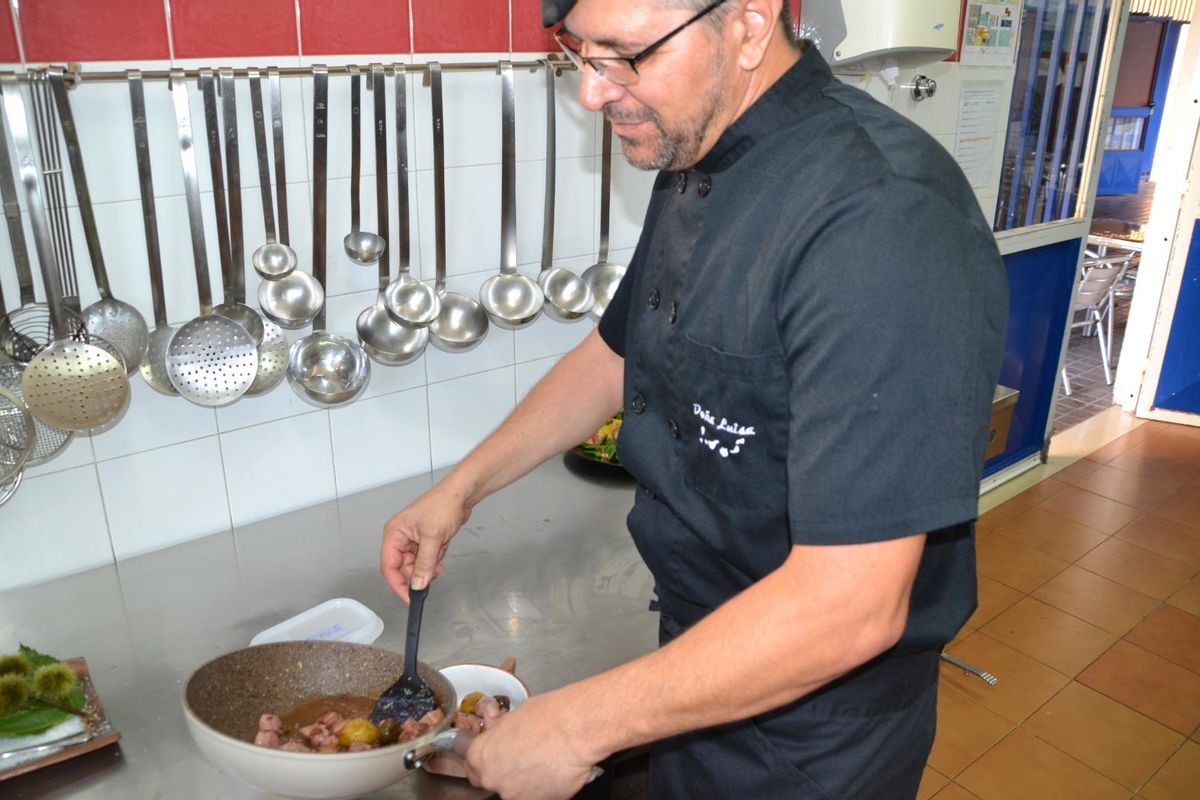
pixel 77 75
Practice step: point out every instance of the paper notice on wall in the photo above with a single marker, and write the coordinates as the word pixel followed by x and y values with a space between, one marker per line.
pixel 975 142
pixel 990 34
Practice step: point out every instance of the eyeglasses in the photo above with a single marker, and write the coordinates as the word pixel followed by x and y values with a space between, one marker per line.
pixel 621 70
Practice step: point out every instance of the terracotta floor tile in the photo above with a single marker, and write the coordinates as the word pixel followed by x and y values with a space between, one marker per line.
pixel 1116 447
pixel 954 792
pixel 1023 767
pixel 1147 683
pixel 1080 469
pixel 1172 634
pixel 1024 683
pixel 1137 568
pixel 1179 778
pixel 1188 597
pixel 1165 537
pixel 1053 637
pixel 1015 564
pixel 1039 492
pixel 965 730
pixel 1092 510
pixel 1001 513
pixel 994 599
pixel 1109 737
pixel 1060 537
pixel 1139 460
pixel 931 783
pixel 1140 491
pixel 1182 507
pixel 1104 603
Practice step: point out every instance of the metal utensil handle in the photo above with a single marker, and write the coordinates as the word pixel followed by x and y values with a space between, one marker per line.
pixel 508 171
pixel 75 155
pixel 320 157
pixel 439 173
pixel 280 168
pixel 355 144
pixel 18 125
pixel 987 677
pixel 56 193
pixel 141 146
pixel 379 87
pixel 260 153
pixel 16 231
pixel 605 188
pixel 191 186
pixel 551 167
pixel 212 127
pixel 236 286
pixel 404 236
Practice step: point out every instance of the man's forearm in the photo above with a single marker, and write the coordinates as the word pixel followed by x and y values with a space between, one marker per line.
pixel 804 625
pixel 576 397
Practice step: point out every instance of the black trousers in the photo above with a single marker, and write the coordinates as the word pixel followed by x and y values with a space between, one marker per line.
pixel 865 736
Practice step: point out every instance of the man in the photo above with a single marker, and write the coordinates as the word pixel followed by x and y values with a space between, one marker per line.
pixel 805 346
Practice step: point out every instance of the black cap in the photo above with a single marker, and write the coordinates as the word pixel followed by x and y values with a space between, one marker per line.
pixel 554 10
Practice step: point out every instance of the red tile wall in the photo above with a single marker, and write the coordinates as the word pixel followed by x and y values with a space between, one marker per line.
pixel 8 39
pixel 84 30
pixel 118 30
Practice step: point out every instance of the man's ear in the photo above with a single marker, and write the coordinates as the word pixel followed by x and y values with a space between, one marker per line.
pixel 755 26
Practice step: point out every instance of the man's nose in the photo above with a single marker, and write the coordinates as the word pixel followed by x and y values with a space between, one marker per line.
pixel 596 91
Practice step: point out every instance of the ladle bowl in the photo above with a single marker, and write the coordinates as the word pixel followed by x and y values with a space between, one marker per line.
pixel 292 302
pixel 154 363
pixel 364 247
pixel 604 278
pixel 568 296
pixel 512 301
pixel 245 316
pixel 410 302
pixel 122 326
pixel 326 370
pixel 274 261
pixel 461 325
pixel 386 341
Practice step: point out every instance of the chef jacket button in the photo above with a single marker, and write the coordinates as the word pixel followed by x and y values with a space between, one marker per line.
pixel 674 428
pixel 705 186
pixel 681 182
pixel 649 492
pixel 654 298
pixel 674 312
pixel 637 404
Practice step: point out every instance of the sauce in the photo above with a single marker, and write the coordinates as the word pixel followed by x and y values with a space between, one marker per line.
pixel 350 706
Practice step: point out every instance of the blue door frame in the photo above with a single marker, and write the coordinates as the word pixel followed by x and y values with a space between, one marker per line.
pixel 1179 379
pixel 1123 171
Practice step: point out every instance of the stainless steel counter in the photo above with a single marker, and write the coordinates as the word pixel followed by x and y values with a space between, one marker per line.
pixel 545 571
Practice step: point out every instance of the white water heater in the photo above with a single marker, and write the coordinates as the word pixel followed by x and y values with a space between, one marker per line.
pixel 873 35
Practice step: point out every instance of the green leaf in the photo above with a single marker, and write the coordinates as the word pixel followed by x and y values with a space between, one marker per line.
pixel 34 718
pixel 36 658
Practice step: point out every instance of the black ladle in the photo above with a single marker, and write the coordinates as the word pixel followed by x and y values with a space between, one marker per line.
pixel 409 696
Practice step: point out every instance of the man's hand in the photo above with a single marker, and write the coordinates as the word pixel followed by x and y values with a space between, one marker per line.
pixel 528 754
pixel 415 539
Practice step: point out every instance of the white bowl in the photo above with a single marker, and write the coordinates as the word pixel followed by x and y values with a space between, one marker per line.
pixel 467 678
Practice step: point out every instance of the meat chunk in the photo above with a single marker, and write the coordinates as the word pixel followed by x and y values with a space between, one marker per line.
pixel 267 739
pixel 432 719
pixel 333 720
pixel 313 732
pixel 487 708
pixel 270 722
pixel 468 723
pixel 360 747
pixel 409 729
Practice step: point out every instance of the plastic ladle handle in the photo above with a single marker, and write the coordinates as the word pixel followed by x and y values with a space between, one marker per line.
pixel 416 605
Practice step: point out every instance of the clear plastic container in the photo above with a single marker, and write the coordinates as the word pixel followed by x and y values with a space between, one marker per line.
pixel 341 619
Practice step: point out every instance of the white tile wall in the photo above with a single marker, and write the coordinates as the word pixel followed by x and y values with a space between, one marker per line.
pixel 171 471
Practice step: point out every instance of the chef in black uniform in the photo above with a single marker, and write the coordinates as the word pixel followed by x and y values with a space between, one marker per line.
pixel 805 345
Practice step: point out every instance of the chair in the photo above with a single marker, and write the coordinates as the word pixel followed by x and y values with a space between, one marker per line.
pixel 1095 298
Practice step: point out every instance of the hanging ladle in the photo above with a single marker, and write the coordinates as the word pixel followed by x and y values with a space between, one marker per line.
pixel 462 323
pixel 511 299
pixel 233 258
pixel 603 277
pixel 363 247
pixel 275 259
pixel 568 296
pixel 154 363
pixel 324 369
pixel 385 340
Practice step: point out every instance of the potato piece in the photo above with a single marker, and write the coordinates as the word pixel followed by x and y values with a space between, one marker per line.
pixel 467 706
pixel 358 730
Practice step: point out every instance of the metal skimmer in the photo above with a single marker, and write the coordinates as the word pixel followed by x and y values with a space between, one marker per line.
pixel 16 435
pixel 71 385
pixel 211 360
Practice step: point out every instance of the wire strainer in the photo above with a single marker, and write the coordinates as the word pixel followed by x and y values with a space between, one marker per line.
pixel 16 435
pixel 49 441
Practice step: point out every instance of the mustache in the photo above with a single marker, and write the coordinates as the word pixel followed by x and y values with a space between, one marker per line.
pixel 620 115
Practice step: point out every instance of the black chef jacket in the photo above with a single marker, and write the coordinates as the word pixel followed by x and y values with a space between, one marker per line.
pixel 812 326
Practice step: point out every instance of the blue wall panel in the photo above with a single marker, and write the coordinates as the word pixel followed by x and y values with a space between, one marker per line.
pixel 1179 380
pixel 1040 282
